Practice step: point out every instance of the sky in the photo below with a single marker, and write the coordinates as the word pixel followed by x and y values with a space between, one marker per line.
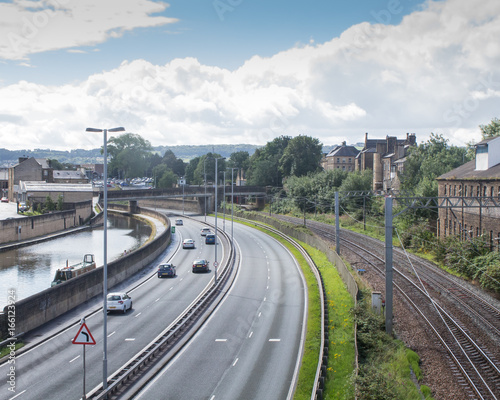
pixel 191 72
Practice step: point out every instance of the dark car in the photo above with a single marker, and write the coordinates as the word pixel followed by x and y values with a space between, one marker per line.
pixel 200 265
pixel 166 270
pixel 210 238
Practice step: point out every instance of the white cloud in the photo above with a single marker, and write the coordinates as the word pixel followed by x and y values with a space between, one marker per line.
pixel 28 27
pixel 434 72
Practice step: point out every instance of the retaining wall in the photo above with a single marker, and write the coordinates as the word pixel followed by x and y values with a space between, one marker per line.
pixel 17 229
pixel 44 306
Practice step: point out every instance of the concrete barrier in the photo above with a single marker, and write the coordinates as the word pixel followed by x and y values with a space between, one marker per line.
pixel 44 306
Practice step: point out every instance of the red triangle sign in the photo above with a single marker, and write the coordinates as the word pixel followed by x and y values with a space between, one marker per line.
pixel 84 336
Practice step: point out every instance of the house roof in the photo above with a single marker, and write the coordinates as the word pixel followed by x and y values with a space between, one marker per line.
pixel 343 151
pixel 468 171
pixel 40 186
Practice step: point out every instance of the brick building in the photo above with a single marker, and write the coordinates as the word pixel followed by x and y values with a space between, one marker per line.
pixel 476 180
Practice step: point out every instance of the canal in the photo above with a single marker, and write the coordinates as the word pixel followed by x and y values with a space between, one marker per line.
pixel 31 269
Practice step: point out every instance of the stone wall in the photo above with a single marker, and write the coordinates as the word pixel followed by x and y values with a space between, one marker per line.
pixel 17 229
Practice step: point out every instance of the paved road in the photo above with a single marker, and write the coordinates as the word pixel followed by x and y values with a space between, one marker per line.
pixel 9 210
pixel 54 370
pixel 250 348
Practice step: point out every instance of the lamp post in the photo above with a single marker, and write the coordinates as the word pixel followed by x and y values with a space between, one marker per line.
pixel 105 255
pixel 205 181
pixel 216 184
pixel 232 203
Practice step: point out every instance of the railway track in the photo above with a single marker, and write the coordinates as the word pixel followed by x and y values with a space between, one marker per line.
pixel 466 325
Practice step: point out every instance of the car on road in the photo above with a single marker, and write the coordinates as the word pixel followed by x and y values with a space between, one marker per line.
pixel 166 269
pixel 119 302
pixel 23 207
pixel 4 200
pixel 210 238
pixel 204 231
pixel 179 222
pixel 200 265
pixel 188 244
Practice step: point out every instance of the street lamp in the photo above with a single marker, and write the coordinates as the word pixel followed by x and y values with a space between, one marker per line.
pixel 105 254
pixel 232 202
pixel 216 187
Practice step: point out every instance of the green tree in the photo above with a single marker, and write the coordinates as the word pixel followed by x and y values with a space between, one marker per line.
pixel 167 180
pixel 491 130
pixel 189 172
pixel 128 155
pixel 427 161
pixel 175 164
pixel 301 156
pixel 263 167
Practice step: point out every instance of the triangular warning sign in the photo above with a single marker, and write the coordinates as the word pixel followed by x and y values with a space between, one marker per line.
pixel 84 336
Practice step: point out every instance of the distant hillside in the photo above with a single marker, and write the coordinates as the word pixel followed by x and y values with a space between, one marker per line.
pixel 80 156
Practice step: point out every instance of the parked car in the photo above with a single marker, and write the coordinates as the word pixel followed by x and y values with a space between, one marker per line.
pixel 119 302
pixel 204 231
pixel 200 265
pixel 4 200
pixel 166 269
pixel 179 222
pixel 188 244
pixel 210 238
pixel 23 207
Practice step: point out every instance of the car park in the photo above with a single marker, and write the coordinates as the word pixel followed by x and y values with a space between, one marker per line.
pixel 204 231
pixel 188 244
pixel 200 265
pixel 210 238
pixel 119 302
pixel 179 222
pixel 166 269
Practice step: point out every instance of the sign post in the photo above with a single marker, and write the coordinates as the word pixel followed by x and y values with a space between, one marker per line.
pixel 84 337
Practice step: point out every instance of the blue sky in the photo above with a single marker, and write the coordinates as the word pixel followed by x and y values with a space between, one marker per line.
pixel 242 71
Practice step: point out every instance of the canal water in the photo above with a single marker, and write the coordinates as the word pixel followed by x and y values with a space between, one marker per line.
pixel 31 269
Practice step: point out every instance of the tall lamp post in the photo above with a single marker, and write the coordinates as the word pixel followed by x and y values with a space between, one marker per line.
pixel 216 187
pixel 232 202
pixel 105 255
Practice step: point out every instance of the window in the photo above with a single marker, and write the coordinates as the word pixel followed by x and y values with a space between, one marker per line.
pixel 484 191
pixel 445 190
pixel 454 190
pixel 350 159
pixel 338 159
pixel 465 191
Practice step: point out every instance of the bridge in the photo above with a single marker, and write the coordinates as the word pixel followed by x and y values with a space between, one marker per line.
pixel 203 196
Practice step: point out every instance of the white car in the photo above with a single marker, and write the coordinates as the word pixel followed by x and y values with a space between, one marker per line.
pixel 204 231
pixel 119 302
pixel 188 244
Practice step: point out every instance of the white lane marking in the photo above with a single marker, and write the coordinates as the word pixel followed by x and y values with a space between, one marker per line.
pixel 17 395
pixel 129 339
pixel 259 314
pixel 171 288
pixel 221 340
pixel 136 315
pixel 235 361
pixel 112 333
pixel 181 279
pixel 265 298
pixel 275 340
pixel 77 357
pixel 251 333
pixel 158 299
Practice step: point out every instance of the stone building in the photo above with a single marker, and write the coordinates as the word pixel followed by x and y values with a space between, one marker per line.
pixel 477 183
pixel 67 176
pixel 341 157
pixel 28 169
pixel 385 157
